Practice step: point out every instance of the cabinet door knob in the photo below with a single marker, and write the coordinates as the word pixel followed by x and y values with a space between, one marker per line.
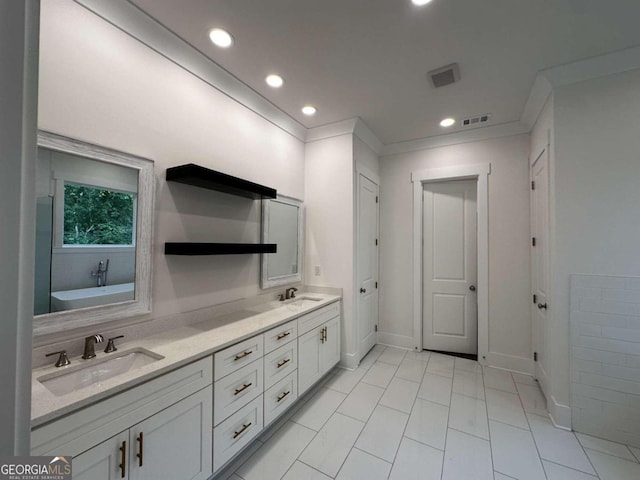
pixel 472 288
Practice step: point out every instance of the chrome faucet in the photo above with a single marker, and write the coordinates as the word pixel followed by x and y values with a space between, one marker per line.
pixel 89 346
pixel 290 293
pixel 101 273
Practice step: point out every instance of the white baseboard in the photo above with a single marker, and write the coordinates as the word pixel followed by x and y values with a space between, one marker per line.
pixel 510 362
pixel 393 340
pixel 349 361
pixel 560 414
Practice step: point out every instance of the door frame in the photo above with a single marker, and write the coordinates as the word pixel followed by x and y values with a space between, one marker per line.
pixel 480 173
pixel 533 160
pixel 375 178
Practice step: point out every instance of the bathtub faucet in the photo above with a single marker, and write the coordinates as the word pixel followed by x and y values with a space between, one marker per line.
pixel 101 273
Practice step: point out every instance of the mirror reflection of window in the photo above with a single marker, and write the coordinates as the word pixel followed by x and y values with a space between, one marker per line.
pixel 97 216
pixel 86 224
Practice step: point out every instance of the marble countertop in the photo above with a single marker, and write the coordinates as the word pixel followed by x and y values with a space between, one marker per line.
pixel 179 347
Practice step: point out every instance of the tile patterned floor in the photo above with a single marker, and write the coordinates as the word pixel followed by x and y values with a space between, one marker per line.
pixel 407 415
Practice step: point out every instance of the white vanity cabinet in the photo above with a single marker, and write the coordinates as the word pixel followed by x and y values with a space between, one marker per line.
pixel 167 421
pixel 174 444
pixel 318 344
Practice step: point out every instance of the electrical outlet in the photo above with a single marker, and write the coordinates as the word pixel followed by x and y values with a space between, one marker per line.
pixel 316 270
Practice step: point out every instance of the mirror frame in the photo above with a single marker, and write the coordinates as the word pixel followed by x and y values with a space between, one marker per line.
pixel 266 282
pixel 82 317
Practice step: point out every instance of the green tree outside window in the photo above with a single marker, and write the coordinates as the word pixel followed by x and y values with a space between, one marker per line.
pixel 97 216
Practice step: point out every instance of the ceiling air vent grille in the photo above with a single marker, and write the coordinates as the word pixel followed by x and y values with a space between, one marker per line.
pixel 443 76
pixel 478 119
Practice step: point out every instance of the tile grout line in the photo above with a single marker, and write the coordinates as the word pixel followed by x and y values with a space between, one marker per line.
pixel 575 470
pixel 486 408
pixel 415 399
pixel 446 433
pixel 533 437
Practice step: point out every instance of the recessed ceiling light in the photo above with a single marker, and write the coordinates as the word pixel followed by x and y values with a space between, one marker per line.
pixel 420 2
pixel 447 122
pixel 274 80
pixel 220 37
pixel 309 110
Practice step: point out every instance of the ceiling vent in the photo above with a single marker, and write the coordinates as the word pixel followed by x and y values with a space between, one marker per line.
pixel 443 76
pixel 478 119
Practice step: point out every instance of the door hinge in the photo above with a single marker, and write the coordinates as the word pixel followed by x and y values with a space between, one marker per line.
pixel 533 185
pixel 376 328
pixel 533 241
pixel 376 199
pixel 376 241
pixel 376 284
pixel 535 298
pixel 535 356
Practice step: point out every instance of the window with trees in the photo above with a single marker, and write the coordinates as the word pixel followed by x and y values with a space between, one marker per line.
pixel 98 216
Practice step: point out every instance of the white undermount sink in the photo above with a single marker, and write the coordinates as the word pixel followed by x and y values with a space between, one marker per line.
pixel 303 302
pixel 95 371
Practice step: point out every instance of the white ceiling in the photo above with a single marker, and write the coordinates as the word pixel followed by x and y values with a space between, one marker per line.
pixel 369 58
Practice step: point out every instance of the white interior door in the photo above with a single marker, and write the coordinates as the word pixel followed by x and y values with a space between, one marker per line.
pixel 449 302
pixel 367 263
pixel 540 262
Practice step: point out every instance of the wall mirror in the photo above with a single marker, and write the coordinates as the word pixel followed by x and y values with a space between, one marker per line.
pixel 94 219
pixel 282 224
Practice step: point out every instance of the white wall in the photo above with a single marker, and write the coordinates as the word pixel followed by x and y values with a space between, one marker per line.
pixel 329 224
pixel 99 85
pixel 596 195
pixel 364 156
pixel 509 281
pixel 18 104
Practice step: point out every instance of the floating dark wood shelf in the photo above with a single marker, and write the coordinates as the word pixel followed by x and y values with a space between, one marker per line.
pixel 190 248
pixel 198 176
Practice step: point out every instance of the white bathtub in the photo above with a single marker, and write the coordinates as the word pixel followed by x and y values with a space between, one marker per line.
pixel 90 297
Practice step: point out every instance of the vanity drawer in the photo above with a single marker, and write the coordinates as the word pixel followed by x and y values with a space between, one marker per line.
pixel 311 320
pixel 281 335
pixel 280 363
pixel 280 397
pixel 237 356
pixel 236 431
pixel 236 390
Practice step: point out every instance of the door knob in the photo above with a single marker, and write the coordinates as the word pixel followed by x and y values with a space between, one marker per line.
pixel 363 290
pixel 472 288
pixel 541 306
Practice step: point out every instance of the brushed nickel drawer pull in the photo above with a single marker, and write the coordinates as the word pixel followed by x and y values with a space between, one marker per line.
pixel 243 388
pixel 242 355
pixel 282 335
pixel 123 456
pixel 241 431
pixel 141 454
pixel 283 362
pixel 284 394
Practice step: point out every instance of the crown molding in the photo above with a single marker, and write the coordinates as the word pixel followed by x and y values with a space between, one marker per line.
pixel 127 17
pixel 335 129
pixel 538 96
pixel 475 135
pixel 364 133
pixel 608 64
